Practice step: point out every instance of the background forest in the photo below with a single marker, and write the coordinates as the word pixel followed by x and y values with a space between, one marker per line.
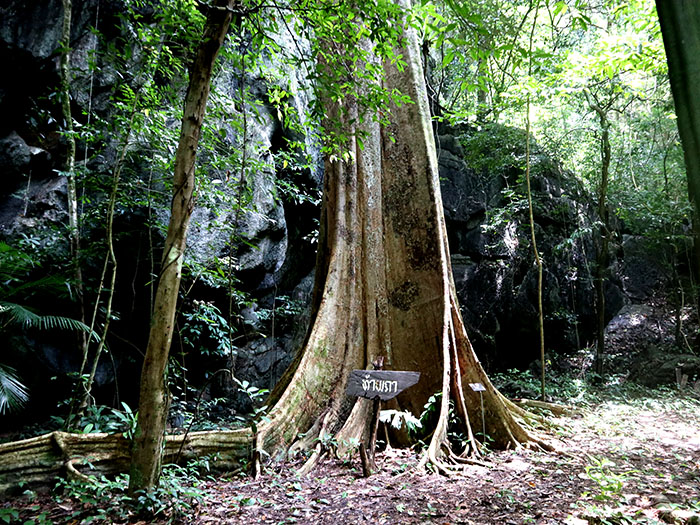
pixel 554 124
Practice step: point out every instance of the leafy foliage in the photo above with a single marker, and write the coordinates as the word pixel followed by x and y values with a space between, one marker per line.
pixel 104 500
pixel 206 330
pixel 99 418
pixel 397 419
pixel 13 394
pixel 609 483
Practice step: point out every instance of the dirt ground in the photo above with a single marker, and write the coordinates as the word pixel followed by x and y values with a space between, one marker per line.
pixel 632 461
pixel 630 455
pixel 620 462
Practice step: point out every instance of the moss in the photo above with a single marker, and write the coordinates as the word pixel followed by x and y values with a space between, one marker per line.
pixel 404 295
pixel 321 349
pixel 289 435
pixel 410 218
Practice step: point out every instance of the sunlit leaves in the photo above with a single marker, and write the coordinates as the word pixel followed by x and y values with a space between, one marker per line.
pixel 13 394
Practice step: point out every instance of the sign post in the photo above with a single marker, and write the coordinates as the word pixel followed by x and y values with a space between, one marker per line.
pixel 478 387
pixel 378 385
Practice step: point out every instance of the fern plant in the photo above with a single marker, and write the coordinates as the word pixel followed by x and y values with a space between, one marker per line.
pixel 13 394
pixel 15 283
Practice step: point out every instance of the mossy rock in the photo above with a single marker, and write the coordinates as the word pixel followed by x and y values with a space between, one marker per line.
pixel 656 368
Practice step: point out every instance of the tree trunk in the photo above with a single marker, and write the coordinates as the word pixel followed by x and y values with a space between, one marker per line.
pixel 531 217
pixel 153 401
pixel 680 28
pixel 69 166
pixel 602 257
pixel 604 237
pixel 385 285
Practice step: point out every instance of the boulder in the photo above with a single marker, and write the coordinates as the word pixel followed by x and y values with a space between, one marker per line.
pixel 15 158
pixel 646 266
pixel 657 367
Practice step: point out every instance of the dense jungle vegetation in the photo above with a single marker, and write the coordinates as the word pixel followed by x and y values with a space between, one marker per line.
pixel 214 211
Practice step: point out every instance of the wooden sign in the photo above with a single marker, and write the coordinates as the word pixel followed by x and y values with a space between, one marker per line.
pixel 379 384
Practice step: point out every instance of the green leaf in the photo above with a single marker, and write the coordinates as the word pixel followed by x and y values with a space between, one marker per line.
pixel 13 394
pixel 23 315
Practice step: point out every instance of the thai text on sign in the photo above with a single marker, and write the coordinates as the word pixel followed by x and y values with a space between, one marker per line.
pixel 380 384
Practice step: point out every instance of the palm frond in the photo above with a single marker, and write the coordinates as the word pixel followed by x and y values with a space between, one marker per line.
pixel 53 283
pixel 16 313
pixel 13 394
pixel 50 322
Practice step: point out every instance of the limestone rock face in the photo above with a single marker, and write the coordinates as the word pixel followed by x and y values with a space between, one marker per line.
pixel 240 223
pixel 483 192
pixel 15 156
pixel 646 267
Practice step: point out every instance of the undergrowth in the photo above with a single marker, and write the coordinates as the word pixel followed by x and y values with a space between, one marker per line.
pixel 105 500
pixel 573 388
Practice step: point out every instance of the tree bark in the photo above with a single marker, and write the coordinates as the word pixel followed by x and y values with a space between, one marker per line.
pixel 602 256
pixel 531 217
pixel 153 403
pixel 69 165
pixel 385 286
pixel 680 28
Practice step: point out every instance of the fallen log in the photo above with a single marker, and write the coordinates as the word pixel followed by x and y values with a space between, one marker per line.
pixel 40 460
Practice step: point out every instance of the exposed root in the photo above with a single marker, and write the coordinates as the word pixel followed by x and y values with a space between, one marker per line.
pixel 528 418
pixel 319 450
pixel 554 408
pixel 466 460
pixel 257 465
pixel 73 473
pixel 313 460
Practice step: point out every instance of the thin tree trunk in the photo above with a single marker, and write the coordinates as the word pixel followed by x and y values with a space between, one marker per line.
pixel 153 401
pixel 604 233
pixel 535 251
pixel 69 166
pixel 482 109
pixel 85 382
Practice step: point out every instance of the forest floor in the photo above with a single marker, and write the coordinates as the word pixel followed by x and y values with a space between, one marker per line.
pixel 624 459
pixel 629 454
pixel 632 461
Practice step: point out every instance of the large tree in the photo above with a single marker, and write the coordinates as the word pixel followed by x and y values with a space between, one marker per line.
pixel 384 282
pixel 680 28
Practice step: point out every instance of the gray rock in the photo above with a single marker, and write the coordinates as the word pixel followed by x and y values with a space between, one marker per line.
pixel 646 267
pixel 15 158
pixel 492 260
pixel 19 27
pixel 656 367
